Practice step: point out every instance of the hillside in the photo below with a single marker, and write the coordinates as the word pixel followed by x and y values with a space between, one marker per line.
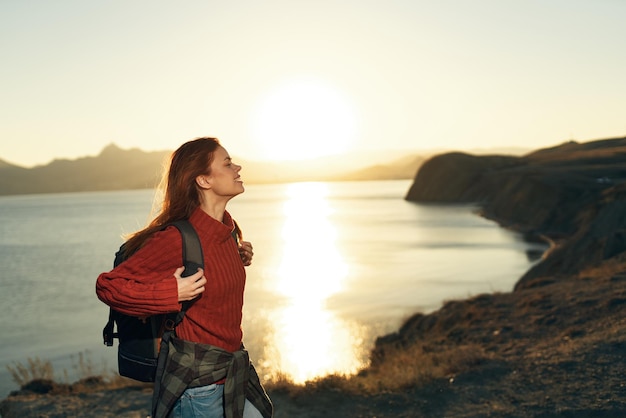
pixel 572 195
pixel 119 169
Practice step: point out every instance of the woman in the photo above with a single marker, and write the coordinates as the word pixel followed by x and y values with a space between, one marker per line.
pixel 220 380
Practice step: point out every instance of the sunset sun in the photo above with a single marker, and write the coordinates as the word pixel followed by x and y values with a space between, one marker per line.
pixel 303 119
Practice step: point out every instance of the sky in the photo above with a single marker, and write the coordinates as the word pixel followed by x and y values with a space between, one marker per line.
pixel 289 79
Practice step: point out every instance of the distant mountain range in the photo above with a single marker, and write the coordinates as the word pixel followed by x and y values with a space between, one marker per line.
pixel 121 169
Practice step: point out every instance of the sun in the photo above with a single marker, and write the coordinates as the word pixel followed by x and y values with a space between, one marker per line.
pixel 302 119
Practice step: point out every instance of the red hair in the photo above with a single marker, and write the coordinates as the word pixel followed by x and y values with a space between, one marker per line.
pixel 181 193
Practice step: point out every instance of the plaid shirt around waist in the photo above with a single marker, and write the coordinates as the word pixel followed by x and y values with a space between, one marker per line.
pixel 185 364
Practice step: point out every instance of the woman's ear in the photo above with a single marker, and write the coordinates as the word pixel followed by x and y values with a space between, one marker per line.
pixel 203 182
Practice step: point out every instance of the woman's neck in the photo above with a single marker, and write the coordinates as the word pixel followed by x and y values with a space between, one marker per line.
pixel 214 209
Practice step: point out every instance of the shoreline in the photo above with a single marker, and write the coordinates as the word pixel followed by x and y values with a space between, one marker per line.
pixel 551 347
pixel 550 351
pixel 380 322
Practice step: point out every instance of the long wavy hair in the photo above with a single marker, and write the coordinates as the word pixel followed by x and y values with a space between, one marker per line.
pixel 181 194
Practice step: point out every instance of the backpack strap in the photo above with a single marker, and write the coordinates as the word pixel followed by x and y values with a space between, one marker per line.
pixel 193 259
pixel 236 233
pixel 107 332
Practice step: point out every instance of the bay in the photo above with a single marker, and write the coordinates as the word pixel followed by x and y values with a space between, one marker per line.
pixel 335 265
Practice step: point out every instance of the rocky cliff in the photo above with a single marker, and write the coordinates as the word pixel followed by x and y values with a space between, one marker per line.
pixel 572 195
pixel 553 347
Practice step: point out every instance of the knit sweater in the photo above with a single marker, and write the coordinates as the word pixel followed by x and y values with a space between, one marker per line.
pixel 145 285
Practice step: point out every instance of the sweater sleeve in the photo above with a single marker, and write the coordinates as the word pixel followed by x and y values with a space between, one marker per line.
pixel 144 284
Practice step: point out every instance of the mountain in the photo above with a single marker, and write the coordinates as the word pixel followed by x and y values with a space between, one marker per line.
pixel 122 169
pixel 113 169
pixel 4 164
pixel 403 168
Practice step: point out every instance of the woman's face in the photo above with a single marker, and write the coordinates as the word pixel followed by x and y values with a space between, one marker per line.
pixel 224 178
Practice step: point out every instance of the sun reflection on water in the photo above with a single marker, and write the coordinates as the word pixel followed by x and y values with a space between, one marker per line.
pixel 311 340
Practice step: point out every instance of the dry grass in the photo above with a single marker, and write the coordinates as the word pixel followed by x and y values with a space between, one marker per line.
pixel 40 373
pixel 606 269
pixel 415 366
pixel 34 369
pixel 401 368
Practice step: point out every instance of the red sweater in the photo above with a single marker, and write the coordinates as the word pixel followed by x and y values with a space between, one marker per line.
pixel 144 284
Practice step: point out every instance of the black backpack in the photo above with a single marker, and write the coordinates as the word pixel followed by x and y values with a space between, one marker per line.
pixel 139 339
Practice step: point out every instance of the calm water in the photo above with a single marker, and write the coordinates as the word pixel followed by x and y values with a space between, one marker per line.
pixel 336 264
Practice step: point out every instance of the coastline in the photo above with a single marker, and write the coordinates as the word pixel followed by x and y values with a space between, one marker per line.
pixel 552 347
pixel 550 351
pixel 358 303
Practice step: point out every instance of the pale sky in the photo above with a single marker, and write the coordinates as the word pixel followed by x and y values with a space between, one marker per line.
pixel 326 75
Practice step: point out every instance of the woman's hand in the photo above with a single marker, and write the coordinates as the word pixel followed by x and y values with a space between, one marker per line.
pixel 245 252
pixel 189 287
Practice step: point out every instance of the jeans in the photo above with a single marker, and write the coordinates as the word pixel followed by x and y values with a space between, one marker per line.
pixel 207 402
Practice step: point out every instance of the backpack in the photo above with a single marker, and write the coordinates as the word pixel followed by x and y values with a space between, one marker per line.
pixel 139 339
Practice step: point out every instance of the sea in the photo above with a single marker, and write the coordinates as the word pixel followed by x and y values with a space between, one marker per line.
pixel 336 264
